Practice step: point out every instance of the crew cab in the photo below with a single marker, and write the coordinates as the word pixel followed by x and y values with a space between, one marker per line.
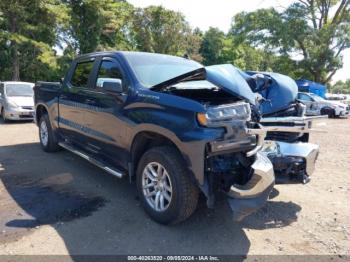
pixel 174 127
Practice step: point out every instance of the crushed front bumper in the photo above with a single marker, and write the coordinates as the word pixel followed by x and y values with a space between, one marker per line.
pixel 245 199
pixel 295 161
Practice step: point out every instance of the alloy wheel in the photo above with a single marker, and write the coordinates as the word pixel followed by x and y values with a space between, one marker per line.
pixel 44 134
pixel 157 187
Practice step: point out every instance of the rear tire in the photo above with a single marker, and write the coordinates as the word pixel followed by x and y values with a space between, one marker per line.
pixel 183 194
pixel 48 140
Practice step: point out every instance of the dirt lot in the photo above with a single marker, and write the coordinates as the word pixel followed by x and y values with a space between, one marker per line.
pixel 61 204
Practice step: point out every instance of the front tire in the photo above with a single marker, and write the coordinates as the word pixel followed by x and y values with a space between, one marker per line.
pixel 164 187
pixel 328 111
pixel 48 140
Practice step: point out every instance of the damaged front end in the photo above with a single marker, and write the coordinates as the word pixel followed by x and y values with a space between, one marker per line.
pixel 283 117
pixel 293 157
pixel 292 161
pixel 232 162
pixel 235 166
pixel 247 181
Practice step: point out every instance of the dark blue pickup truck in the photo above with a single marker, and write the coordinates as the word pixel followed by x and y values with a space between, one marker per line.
pixel 174 127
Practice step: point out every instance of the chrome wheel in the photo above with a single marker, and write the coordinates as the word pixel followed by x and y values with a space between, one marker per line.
pixel 156 186
pixel 44 134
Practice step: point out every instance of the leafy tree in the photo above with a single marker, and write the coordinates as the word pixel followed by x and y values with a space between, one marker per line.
pixel 217 48
pixel 27 33
pixel 212 46
pixel 342 87
pixel 193 41
pixel 98 25
pixel 157 29
pixel 317 30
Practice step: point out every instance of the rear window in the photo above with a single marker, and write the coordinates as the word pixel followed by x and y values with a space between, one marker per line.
pixel 81 74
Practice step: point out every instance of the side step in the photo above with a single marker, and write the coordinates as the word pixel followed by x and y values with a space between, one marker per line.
pixel 92 160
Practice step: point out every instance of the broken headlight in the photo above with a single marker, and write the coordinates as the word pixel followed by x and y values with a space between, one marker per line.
pixel 225 113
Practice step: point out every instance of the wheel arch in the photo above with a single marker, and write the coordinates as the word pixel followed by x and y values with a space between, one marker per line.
pixel 39 111
pixel 145 140
pixel 327 110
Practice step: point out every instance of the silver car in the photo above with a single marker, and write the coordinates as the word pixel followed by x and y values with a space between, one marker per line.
pixel 16 100
pixel 316 105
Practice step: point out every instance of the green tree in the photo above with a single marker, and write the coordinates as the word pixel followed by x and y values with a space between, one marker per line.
pixel 212 46
pixel 342 87
pixel 27 34
pixel 316 30
pixel 98 25
pixel 193 41
pixel 159 30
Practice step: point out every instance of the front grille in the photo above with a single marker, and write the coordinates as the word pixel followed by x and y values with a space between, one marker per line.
pixel 25 116
pixel 28 107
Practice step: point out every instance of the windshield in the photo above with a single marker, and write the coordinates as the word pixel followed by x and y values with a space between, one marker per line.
pixel 317 98
pixel 19 90
pixel 152 69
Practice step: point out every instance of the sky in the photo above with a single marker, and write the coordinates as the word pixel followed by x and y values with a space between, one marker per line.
pixel 219 13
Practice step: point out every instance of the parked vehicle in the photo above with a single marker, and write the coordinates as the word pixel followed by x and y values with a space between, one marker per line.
pixel 168 123
pixel 287 147
pixel 16 100
pixel 336 97
pixel 316 105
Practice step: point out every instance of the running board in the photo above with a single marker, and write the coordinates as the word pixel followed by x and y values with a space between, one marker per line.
pixel 92 160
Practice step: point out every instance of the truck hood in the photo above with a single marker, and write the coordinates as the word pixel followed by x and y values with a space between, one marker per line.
pixel 281 92
pixel 225 76
pixel 21 100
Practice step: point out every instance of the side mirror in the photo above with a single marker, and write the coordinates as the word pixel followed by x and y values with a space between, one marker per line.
pixel 114 86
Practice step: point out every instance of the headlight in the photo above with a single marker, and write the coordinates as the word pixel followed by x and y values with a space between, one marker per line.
pixel 237 111
pixel 12 105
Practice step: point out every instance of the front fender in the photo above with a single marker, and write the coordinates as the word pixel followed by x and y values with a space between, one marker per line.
pixel 190 145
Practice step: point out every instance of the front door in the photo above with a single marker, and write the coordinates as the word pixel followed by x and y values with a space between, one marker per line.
pixel 105 119
pixel 311 105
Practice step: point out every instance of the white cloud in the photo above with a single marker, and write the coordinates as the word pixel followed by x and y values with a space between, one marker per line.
pixel 219 13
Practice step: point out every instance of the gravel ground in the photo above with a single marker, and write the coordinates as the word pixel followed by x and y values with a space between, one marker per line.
pixel 61 204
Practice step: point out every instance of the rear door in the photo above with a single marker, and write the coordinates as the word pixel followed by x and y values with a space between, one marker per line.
pixel 74 101
pixel 105 118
